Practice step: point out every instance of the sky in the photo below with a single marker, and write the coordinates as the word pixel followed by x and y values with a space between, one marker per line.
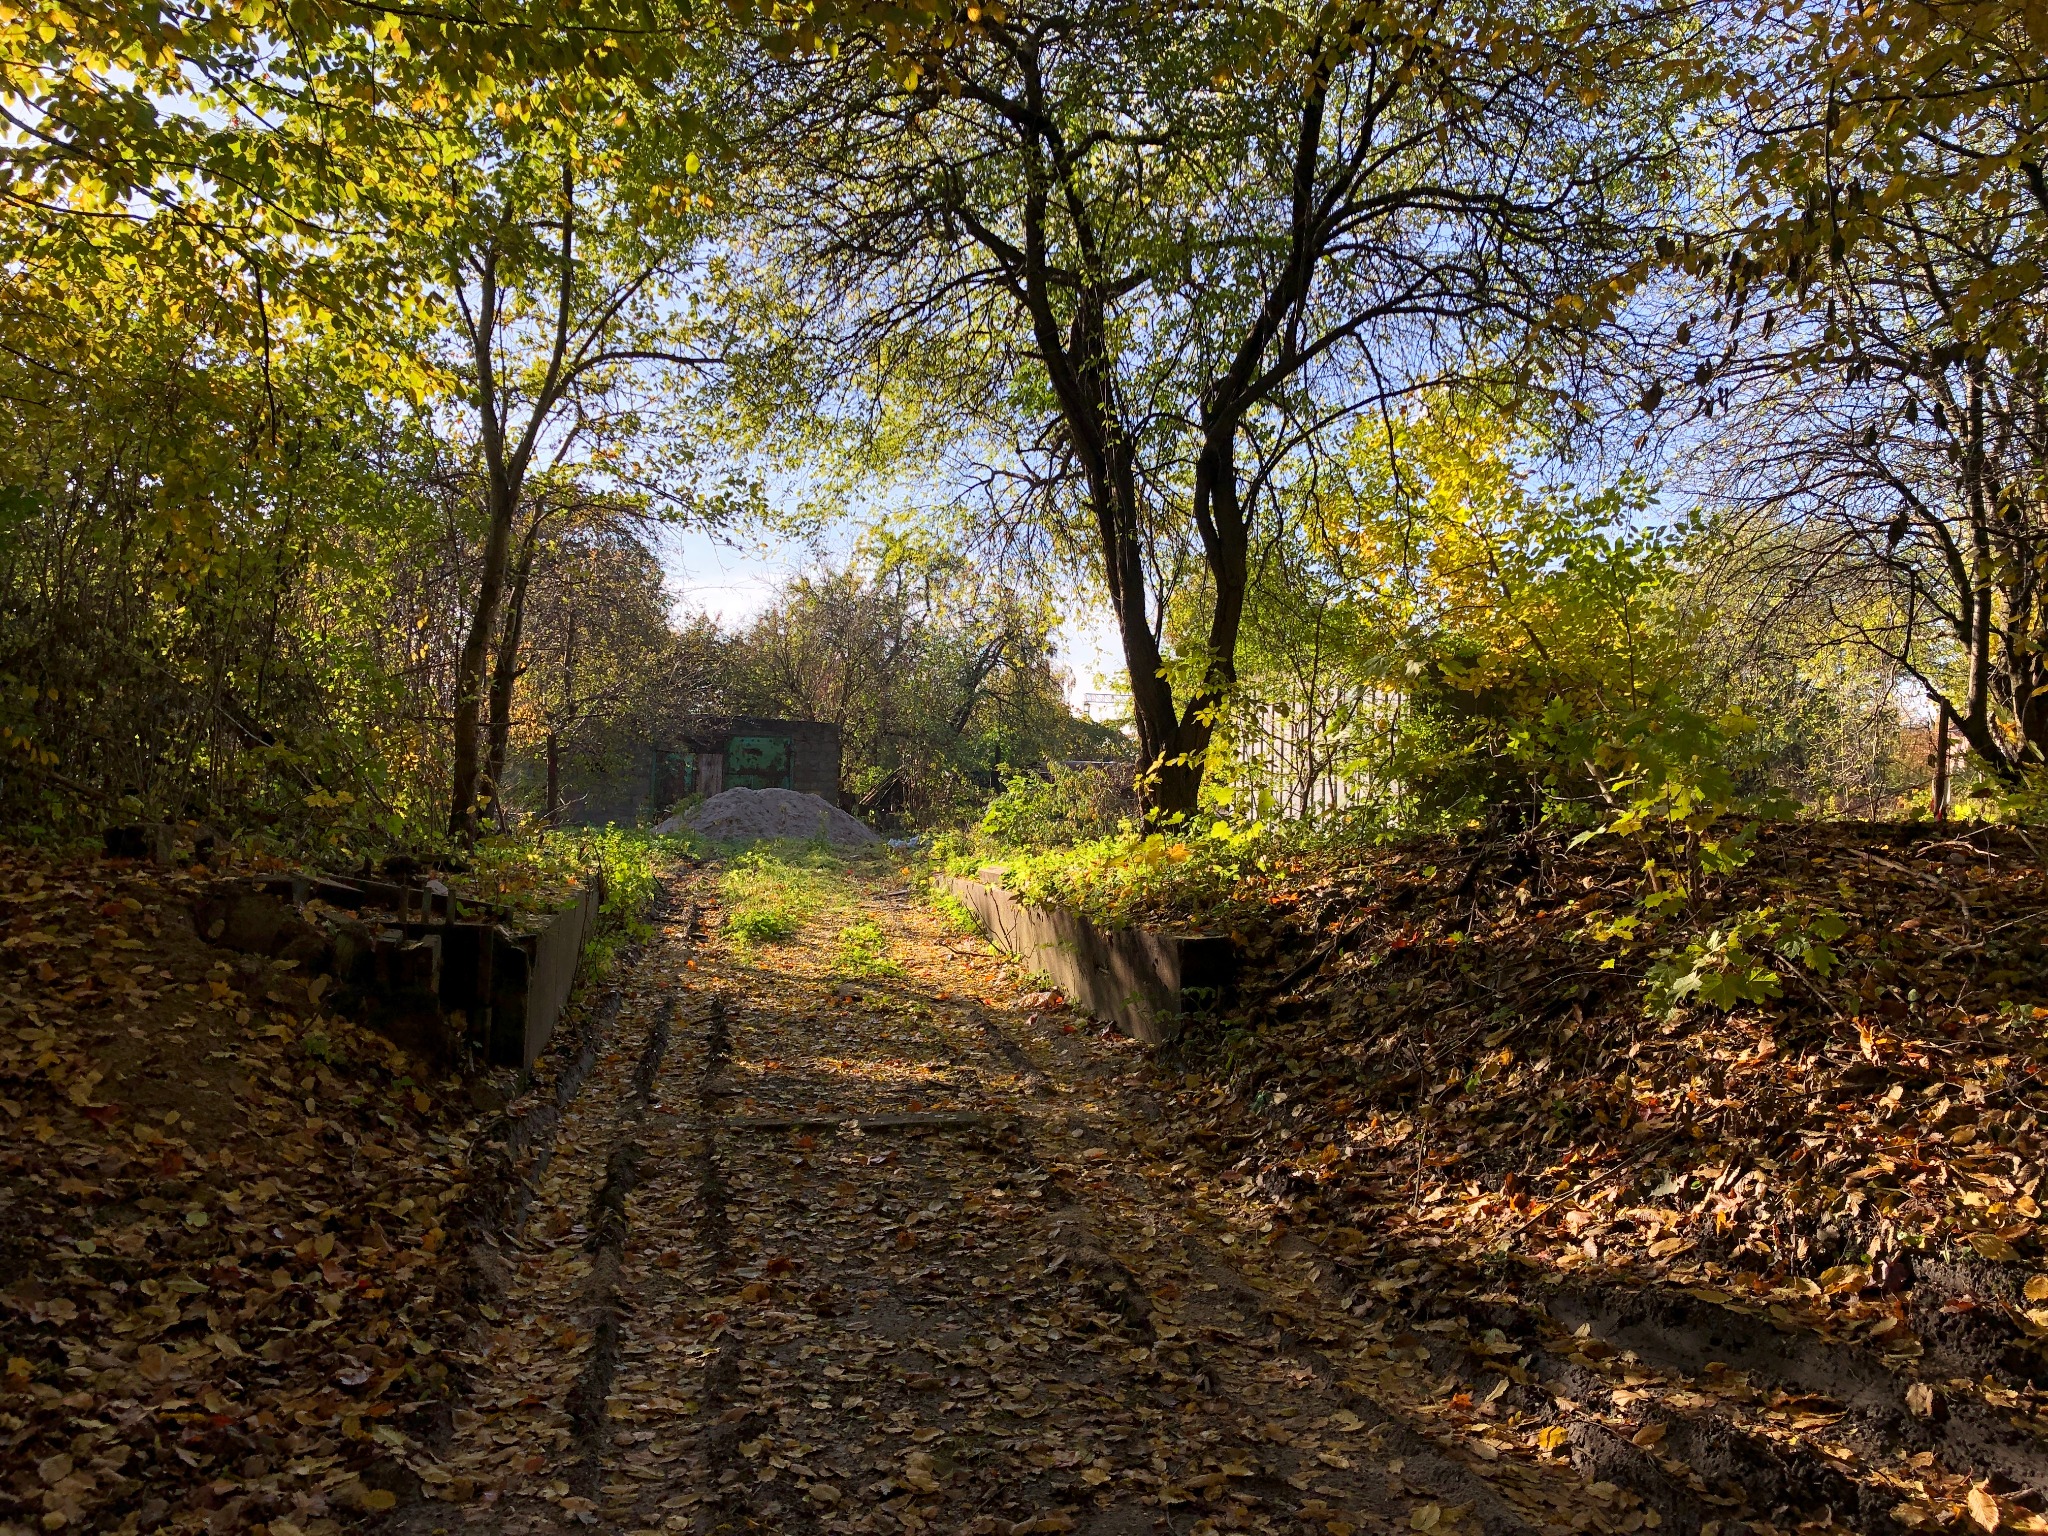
pixel 733 580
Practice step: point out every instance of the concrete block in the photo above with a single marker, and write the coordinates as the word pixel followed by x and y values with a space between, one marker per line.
pixel 531 978
pixel 155 841
pixel 1145 981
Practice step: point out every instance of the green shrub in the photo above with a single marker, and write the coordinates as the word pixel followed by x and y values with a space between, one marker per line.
pixel 761 925
pixel 1068 807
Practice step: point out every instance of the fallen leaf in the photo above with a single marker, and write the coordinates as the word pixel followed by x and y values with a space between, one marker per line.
pixel 1983 1507
pixel 1990 1245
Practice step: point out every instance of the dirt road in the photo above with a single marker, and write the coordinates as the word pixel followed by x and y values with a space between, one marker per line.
pixel 913 1252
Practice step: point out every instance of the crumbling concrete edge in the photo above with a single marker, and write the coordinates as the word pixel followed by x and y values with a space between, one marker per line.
pixel 1146 981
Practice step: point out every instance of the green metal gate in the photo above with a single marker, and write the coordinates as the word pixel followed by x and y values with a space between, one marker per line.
pixel 757 762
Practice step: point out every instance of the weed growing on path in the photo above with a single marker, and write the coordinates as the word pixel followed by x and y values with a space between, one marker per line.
pixel 864 951
pixel 771 890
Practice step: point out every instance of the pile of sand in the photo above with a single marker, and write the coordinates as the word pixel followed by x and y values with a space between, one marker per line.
pixel 754 815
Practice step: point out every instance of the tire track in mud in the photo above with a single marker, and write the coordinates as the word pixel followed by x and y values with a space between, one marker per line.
pixel 719 1476
pixel 1422 1469
pixel 607 1242
pixel 883 1272
pixel 523 1448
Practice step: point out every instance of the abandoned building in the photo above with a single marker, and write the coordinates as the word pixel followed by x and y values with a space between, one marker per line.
pixel 703 756
pixel 744 752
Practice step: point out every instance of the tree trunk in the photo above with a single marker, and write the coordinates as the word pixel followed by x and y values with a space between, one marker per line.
pixel 505 674
pixel 1174 740
pixel 505 477
pixel 554 779
pixel 469 667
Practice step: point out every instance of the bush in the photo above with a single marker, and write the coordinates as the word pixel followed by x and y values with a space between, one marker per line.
pixel 1069 806
pixel 761 925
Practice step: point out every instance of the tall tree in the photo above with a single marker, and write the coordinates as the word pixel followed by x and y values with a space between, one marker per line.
pixel 1871 346
pixel 561 282
pixel 1178 244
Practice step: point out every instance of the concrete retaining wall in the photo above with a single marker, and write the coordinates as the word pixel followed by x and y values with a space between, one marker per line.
pixel 1144 981
pixel 408 962
pixel 531 977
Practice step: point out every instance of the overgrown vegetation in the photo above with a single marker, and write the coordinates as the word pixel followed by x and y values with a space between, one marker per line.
pixel 772 890
pixel 1524 460
pixel 350 540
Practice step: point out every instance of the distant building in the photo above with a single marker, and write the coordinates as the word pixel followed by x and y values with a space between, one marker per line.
pixel 1105 706
pixel 704 756
pixel 712 754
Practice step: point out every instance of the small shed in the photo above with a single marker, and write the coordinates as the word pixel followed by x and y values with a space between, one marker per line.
pixel 723 752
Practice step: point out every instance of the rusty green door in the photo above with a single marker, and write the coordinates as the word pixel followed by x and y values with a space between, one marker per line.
pixel 757 762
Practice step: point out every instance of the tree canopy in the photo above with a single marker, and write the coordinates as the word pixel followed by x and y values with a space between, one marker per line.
pixel 1357 366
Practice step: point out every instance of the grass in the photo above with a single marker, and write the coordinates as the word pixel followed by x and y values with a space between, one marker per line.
pixel 864 951
pixel 772 889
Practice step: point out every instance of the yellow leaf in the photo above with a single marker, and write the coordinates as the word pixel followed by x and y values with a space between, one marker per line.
pixel 2037 1288
pixel 379 1499
pixel 1983 1507
pixel 1990 1245
pixel 1550 1439
pixel 1426 1518
pixel 1648 1435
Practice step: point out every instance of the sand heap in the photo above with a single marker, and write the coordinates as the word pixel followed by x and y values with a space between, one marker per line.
pixel 754 815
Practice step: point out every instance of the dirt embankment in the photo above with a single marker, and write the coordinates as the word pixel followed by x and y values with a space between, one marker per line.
pixel 1796 1246
pixel 228 1223
pixel 757 815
